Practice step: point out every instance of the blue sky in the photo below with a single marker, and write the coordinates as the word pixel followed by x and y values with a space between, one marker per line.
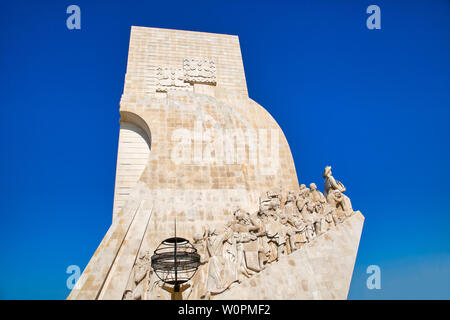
pixel 374 104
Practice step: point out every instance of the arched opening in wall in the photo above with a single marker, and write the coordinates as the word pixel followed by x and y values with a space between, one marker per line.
pixel 132 156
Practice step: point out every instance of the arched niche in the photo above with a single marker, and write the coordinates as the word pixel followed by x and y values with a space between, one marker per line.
pixel 132 156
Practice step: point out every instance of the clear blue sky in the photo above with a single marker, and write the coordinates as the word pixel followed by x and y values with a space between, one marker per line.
pixel 374 104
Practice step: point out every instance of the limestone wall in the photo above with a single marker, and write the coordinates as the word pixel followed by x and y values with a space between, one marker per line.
pixel 192 147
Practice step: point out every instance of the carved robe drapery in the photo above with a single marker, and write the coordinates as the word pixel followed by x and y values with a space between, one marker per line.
pixel 221 271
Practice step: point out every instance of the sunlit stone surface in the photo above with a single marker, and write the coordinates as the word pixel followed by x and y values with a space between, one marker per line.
pixel 194 147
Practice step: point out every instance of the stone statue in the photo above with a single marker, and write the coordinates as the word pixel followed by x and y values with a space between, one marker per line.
pixel 331 183
pixel 315 195
pixel 302 199
pixel 241 263
pixel 274 239
pixel 318 202
pixel 286 234
pixel 278 227
pixel 306 208
pixel 242 228
pixel 250 242
pixel 290 206
pixel 260 222
pixel 303 189
pixel 337 201
pixel 274 198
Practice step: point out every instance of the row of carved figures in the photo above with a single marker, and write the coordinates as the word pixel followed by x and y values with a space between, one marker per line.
pixel 250 242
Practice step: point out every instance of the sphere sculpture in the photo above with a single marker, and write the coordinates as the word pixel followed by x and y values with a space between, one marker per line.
pixel 175 262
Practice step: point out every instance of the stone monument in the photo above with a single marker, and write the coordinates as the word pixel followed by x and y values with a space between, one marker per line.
pixel 194 147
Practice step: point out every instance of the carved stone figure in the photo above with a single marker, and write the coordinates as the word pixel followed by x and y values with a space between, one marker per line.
pixel 274 240
pixel 199 279
pixel 331 183
pixel 333 198
pixel 242 228
pixel 220 270
pixel 274 198
pixel 141 271
pixel 290 207
pixel 310 234
pixel 286 233
pixel 306 207
pixel 260 222
pixel 250 242
pixel 299 228
pixel 317 202
pixel 302 199
pixel 320 224
pixel 337 201
pixel 241 262
pixel 315 195
pixel 303 189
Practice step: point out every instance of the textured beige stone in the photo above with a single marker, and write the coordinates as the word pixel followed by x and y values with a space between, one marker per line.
pixel 322 269
pixel 193 146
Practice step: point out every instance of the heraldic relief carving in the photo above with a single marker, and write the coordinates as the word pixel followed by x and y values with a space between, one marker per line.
pixel 251 242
